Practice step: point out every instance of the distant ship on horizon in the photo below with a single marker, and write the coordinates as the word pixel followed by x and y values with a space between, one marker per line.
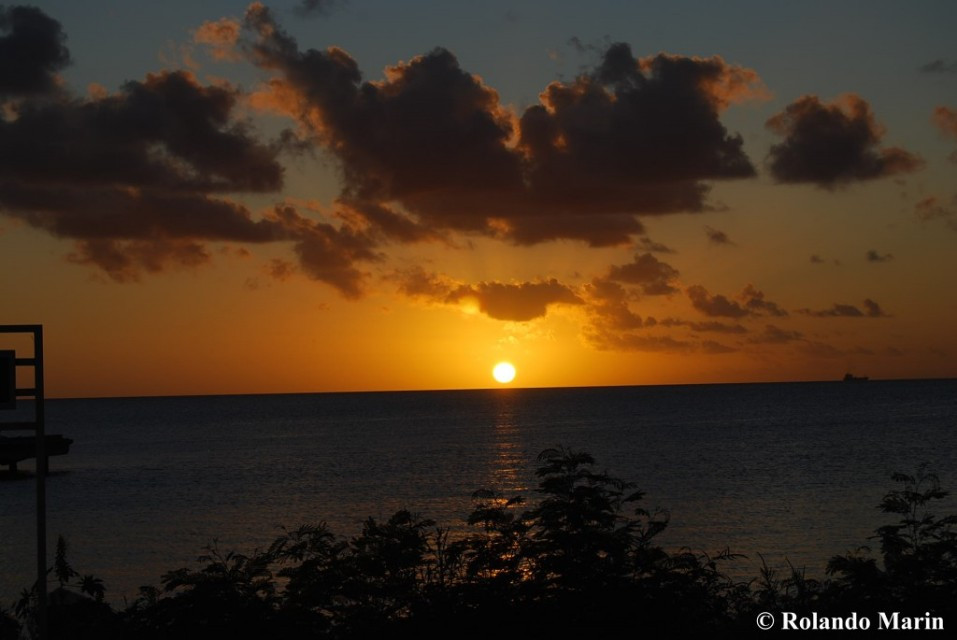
pixel 850 377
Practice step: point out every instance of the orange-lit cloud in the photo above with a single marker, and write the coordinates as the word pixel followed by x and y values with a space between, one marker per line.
pixel 221 36
pixel 833 144
pixel 724 84
pixel 512 302
pixel 946 119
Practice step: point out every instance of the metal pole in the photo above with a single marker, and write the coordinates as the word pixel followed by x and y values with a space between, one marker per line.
pixel 41 471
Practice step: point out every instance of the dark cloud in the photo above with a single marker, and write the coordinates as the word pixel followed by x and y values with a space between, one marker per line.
pixel 575 43
pixel 652 276
pixel 838 310
pixel 310 8
pixel 387 222
pixel 717 237
pixel 756 303
pixel 608 305
pixel 142 172
pixel 750 302
pixel 715 306
pixel 32 51
pixel 125 261
pixel 142 179
pixel 416 282
pixel 609 229
pixel 833 144
pixel 614 326
pixel 874 256
pixel 816 259
pixel 636 135
pixel 654 247
pixel 513 302
pixel 116 213
pixel 429 135
pixel 939 66
pixel 326 253
pixel 632 137
pixel 167 133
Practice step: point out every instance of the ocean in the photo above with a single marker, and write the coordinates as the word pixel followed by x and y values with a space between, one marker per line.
pixel 791 472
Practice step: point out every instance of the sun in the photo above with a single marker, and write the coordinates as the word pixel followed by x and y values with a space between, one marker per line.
pixel 504 372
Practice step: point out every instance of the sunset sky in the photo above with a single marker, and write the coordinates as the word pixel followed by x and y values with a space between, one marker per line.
pixel 333 195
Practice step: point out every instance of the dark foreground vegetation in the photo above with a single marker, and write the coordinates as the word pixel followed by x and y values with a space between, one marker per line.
pixel 581 562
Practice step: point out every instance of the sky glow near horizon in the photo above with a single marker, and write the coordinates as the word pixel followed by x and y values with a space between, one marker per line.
pixel 223 197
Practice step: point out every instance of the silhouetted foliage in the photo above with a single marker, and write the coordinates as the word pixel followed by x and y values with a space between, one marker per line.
pixel 76 610
pixel 9 626
pixel 581 562
pixel 918 553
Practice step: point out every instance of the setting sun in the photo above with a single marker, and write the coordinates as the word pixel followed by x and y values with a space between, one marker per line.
pixel 504 372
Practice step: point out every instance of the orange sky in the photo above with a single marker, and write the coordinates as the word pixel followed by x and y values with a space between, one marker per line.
pixel 230 200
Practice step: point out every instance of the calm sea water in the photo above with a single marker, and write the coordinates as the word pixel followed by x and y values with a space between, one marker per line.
pixel 791 471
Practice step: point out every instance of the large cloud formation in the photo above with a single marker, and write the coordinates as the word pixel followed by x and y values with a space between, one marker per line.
pixel 833 144
pixel 632 137
pixel 145 166
pixel 143 179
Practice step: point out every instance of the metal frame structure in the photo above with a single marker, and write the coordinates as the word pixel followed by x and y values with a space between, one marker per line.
pixel 38 426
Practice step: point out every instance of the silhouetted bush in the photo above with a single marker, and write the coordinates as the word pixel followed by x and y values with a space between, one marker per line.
pixel 582 561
